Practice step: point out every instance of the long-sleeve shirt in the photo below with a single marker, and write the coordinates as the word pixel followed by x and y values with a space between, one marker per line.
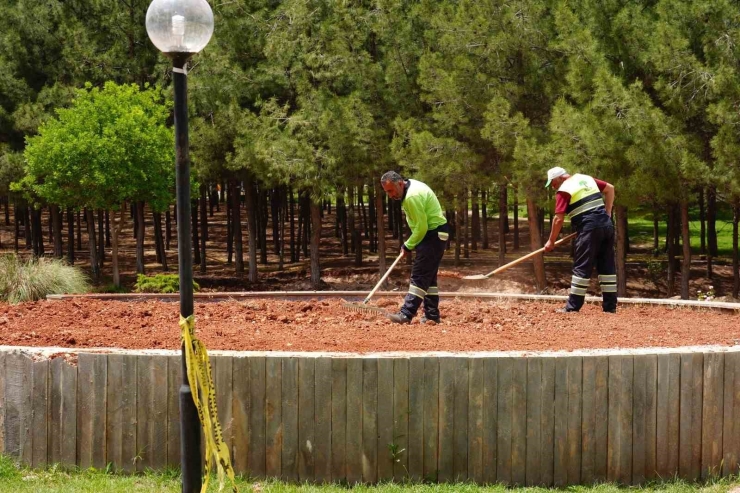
pixel 423 212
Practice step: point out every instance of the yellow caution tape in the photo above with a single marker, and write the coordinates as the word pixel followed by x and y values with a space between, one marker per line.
pixel 201 385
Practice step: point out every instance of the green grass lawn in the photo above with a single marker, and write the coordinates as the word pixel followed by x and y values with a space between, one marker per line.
pixel 641 233
pixel 19 480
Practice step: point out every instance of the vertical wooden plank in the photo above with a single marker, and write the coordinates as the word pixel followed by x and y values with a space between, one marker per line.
pixel 575 394
pixel 475 420
pixel 174 382
pixel 548 422
pixel 354 433
pixel 731 414
pixel 62 418
pixel 91 405
pixel 644 416
pixel 490 419
pixel 273 416
pixel 145 391
pixel 401 418
pixel 712 410
pixel 638 414
pixel 619 454
pixel 223 375
pixel 18 373
pixel 40 413
pixel 416 417
pixel 445 461
pixel 561 422
pixel 158 423
pixel 505 401
pixel 339 419
pixel 689 462
pixel 257 422
pixel 534 418
pixel 386 440
pixel 121 436
pixel 431 398
pixel 667 421
pixel 289 412
pixel 306 417
pixel 322 430
pixel 370 420
pixel 519 421
pixel 460 419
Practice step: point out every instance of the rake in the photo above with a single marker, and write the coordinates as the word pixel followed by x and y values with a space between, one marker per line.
pixel 517 261
pixel 364 307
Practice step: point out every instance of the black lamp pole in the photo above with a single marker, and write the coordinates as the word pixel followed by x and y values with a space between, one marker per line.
pixel 190 460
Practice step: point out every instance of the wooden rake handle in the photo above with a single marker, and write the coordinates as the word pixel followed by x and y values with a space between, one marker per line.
pixel 382 279
pixel 529 255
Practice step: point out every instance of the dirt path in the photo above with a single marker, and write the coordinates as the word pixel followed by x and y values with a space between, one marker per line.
pixel 324 326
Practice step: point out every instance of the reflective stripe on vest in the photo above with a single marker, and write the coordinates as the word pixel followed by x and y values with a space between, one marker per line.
pixel 584 194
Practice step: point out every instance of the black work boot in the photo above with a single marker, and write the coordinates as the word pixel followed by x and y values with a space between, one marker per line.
pixel 424 320
pixel 398 318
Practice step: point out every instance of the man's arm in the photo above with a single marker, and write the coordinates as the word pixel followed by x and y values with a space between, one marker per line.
pixel 557 225
pixel 608 198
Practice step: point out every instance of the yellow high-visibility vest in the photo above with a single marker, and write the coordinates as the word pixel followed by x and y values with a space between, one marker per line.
pixel 584 194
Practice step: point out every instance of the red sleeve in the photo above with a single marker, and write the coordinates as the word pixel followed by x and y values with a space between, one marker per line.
pixel 601 184
pixel 562 199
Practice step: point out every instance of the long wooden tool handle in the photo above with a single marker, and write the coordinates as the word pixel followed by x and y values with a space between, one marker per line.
pixel 385 276
pixel 529 255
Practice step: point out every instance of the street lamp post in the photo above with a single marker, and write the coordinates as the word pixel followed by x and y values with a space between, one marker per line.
pixel 179 29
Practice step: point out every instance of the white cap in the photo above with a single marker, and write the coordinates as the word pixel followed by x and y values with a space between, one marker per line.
pixel 553 173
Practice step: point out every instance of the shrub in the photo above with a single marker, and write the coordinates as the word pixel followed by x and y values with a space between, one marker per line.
pixel 161 283
pixel 33 279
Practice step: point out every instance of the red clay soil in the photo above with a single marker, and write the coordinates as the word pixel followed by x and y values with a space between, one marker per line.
pixel 269 325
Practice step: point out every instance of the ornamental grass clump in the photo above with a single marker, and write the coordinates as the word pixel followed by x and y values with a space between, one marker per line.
pixel 34 279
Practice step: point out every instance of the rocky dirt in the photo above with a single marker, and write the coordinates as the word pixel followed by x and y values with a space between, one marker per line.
pixel 272 325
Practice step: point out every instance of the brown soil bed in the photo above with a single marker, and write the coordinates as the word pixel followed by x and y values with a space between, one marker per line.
pixel 270 325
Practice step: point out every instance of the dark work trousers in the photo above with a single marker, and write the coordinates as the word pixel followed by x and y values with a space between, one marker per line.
pixel 423 286
pixel 594 247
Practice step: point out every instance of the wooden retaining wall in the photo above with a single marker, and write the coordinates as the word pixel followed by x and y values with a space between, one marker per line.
pixel 539 420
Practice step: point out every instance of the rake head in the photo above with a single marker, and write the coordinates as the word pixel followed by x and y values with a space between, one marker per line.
pixel 362 307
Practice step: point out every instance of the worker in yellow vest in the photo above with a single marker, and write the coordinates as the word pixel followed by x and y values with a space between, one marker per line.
pixel 588 202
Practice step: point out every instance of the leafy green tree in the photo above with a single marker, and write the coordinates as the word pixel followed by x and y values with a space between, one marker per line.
pixel 110 147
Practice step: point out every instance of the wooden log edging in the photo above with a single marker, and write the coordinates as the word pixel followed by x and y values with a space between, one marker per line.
pixel 519 418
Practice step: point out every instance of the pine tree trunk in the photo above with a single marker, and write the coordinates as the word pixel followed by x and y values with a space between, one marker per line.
pixel 251 201
pixel 275 213
pixel 338 217
pixel 94 266
pixel 56 222
pixel 17 224
pixel 28 225
pixel 505 207
pixel 484 207
pixel 293 257
pixel 195 238
pixel 79 230
pixel 712 221
pixel 702 223
pixel 466 229
pixel 159 241
pixel 535 243
pixel 139 222
pixel 167 229
pixel 459 228
pixel 51 227
pixel 315 243
pixel 263 227
pixel 118 223
pixel 236 221
pixel 361 203
pixel 107 229
pixel 735 253
pixel 671 246
pixel 101 238
pixel 621 250
pixel 282 211
pixel 212 200
pixel 502 224
pixel 516 219
pixel 229 228
pixel 686 262
pixel 203 221
pixel 37 234
pixel 70 236
pixel 380 228
pixel 351 219
pixel 475 222
pixel 373 220
pixel 656 233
